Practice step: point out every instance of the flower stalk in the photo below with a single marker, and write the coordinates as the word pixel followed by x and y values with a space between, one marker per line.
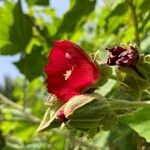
pixel 135 21
pixel 127 105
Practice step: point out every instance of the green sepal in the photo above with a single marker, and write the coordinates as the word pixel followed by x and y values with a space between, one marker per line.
pixel 132 77
pixel 89 111
pixel 144 68
pixel 48 122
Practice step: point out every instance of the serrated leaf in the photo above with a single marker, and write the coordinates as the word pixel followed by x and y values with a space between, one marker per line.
pixel 139 121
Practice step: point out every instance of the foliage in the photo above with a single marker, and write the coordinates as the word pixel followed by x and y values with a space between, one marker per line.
pixel 30 33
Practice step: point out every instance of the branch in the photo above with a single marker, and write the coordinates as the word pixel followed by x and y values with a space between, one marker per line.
pixel 26 113
pixel 127 106
pixel 9 102
pixel 135 21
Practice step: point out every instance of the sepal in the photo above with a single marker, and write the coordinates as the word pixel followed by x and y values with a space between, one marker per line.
pixel 48 122
pixel 89 111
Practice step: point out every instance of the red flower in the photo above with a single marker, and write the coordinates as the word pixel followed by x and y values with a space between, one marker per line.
pixel 70 70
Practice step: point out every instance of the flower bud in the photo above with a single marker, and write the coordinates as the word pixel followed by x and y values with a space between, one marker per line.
pixel 89 111
pixel 122 56
pixel 61 116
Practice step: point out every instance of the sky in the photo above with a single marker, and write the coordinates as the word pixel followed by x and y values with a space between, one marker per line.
pixel 6 62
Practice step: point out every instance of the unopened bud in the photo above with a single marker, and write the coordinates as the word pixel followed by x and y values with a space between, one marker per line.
pixel 89 111
pixel 122 56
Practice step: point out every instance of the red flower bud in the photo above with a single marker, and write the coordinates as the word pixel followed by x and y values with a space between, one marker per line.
pixel 123 56
pixel 70 70
pixel 61 115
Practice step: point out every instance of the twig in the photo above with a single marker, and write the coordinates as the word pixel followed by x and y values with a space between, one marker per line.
pixel 28 115
pixel 9 102
pixel 135 21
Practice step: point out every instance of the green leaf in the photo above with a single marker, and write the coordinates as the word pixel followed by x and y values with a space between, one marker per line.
pixel 145 5
pixel 73 17
pixel 140 85
pixel 132 75
pixel 5 10
pixel 34 60
pixel 122 138
pixel 9 48
pixel 38 2
pixel 20 32
pixel 119 10
pixel 144 68
pixel 50 119
pixel 121 91
pixel 114 21
pixel 139 121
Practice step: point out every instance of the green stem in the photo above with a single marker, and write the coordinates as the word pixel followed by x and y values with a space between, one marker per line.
pixel 147 92
pixel 113 77
pixel 135 21
pixel 26 113
pixel 125 105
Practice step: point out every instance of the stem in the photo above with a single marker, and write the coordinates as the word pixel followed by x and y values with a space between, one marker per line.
pixel 27 114
pixel 135 21
pixel 147 92
pixel 138 72
pixel 113 77
pixel 124 104
pixel 9 102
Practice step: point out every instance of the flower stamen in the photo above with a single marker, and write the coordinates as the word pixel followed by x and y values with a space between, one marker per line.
pixel 67 74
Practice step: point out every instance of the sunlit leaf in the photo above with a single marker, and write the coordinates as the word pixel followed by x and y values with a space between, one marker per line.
pixel 139 121
pixel 74 16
